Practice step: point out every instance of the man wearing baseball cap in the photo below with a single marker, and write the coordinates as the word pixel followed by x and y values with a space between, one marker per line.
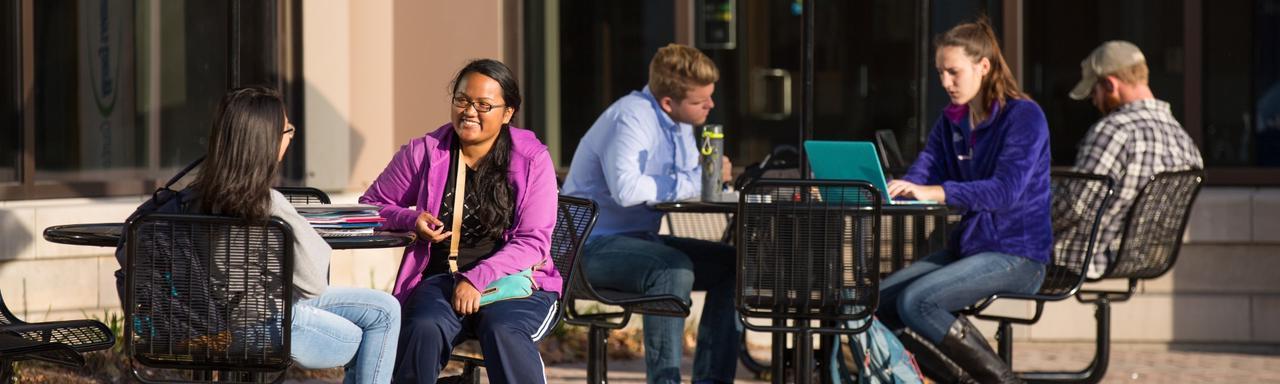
pixel 1137 138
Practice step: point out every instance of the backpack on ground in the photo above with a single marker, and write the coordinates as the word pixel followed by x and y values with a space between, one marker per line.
pixel 873 357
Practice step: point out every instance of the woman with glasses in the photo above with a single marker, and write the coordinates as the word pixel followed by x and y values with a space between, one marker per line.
pixel 332 326
pixel 987 158
pixel 508 212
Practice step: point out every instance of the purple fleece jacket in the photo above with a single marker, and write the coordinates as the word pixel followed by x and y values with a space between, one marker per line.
pixel 415 179
pixel 1001 186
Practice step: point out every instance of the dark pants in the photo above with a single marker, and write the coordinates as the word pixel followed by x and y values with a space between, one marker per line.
pixel 508 332
pixel 674 266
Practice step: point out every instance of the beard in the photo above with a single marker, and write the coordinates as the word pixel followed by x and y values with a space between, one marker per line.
pixel 1109 103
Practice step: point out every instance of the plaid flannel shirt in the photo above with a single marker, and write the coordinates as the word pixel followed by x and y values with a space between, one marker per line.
pixel 1130 145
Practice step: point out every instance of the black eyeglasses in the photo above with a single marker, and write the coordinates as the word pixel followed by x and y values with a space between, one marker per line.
pixel 481 106
pixel 289 130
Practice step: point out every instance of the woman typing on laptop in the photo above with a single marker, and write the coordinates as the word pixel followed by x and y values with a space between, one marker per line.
pixel 988 158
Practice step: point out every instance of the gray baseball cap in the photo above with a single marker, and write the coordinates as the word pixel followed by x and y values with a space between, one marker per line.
pixel 1108 58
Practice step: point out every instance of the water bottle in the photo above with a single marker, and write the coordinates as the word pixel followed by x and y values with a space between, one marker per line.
pixel 712 154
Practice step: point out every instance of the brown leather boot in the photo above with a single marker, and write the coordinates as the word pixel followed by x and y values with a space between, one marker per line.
pixel 964 345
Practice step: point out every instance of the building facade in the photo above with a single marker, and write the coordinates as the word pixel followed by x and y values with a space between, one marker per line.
pixel 101 100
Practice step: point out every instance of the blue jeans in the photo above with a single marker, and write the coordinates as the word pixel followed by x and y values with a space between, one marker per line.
pixel 674 266
pixel 351 327
pixel 924 296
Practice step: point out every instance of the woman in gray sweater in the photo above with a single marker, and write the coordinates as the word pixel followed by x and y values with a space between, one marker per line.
pixel 332 326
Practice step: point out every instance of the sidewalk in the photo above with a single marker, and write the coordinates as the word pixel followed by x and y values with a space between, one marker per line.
pixel 1130 363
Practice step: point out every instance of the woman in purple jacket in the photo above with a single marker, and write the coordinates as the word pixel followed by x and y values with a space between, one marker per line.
pixel 988 159
pixel 508 215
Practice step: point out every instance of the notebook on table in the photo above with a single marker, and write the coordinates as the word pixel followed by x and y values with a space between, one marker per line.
pixel 851 160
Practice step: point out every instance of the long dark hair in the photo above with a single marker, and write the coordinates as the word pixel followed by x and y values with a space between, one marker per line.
pixel 243 157
pixel 978 40
pixel 497 200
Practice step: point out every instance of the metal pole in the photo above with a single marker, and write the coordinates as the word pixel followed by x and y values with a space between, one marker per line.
pixel 806 92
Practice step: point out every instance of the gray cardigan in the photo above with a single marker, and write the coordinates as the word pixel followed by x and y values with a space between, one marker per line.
pixel 310 252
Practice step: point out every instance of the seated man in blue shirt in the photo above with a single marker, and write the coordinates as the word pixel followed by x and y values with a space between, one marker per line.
pixel 641 151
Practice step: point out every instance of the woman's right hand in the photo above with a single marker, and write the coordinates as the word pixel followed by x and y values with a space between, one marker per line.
pixel 430 228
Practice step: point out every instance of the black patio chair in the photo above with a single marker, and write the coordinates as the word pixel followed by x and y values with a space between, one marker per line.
pixel 1078 203
pixel 59 342
pixel 808 251
pixel 575 218
pixel 600 323
pixel 1151 239
pixel 304 195
pixel 890 155
pixel 210 297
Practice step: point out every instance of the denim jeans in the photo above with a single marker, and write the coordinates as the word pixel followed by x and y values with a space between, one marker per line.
pixel 351 327
pixel 674 266
pixel 924 296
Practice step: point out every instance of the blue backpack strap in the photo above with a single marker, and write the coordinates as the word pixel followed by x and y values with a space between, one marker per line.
pixel 158 202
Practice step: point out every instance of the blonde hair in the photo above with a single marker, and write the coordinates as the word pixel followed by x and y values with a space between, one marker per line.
pixel 676 69
pixel 1136 74
pixel 978 40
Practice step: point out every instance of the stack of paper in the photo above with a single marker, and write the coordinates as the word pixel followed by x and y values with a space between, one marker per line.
pixel 342 219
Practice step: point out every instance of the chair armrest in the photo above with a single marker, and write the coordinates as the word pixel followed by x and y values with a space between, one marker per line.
pixel 14 348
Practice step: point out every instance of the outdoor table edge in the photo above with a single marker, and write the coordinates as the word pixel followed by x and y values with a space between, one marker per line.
pixel 732 207
pixel 66 234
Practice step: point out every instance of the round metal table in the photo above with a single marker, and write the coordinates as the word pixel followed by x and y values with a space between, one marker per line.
pixel 697 207
pixel 108 235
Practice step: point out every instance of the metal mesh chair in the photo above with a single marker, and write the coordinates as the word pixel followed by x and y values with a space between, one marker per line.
pixel 599 324
pixel 1151 239
pixel 1078 203
pixel 209 295
pixel 304 195
pixel 14 348
pixel 890 156
pixel 808 250
pixel 53 341
pixel 574 219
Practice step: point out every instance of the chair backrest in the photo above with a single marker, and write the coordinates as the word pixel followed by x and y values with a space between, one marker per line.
pixel 209 292
pixel 890 154
pixel 304 195
pixel 1078 203
pixel 808 249
pixel 575 217
pixel 1155 224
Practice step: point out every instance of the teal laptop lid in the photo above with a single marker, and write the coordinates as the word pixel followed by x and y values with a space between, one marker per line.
pixel 850 160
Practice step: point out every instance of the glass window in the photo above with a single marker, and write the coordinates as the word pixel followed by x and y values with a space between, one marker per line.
pixel 605 48
pixel 125 85
pixel 1242 84
pixel 1266 74
pixel 870 69
pixel 124 92
pixel 1056 40
pixel 10 92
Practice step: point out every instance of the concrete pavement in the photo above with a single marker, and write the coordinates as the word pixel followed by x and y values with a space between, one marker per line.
pixel 1130 363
